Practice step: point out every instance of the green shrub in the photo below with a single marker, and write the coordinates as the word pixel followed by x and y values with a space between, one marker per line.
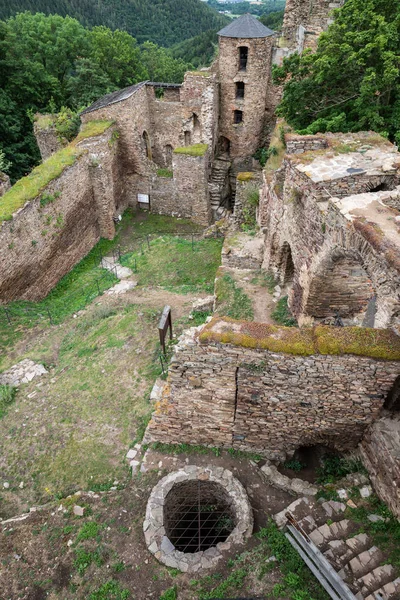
pixel 170 594
pixel 7 396
pixel 294 464
pixel 282 314
pixel 335 467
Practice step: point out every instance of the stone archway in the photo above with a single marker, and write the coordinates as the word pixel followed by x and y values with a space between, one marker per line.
pixel 286 266
pixel 340 285
pixel 392 401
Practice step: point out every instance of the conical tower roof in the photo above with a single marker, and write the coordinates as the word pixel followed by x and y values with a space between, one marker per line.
pixel 246 26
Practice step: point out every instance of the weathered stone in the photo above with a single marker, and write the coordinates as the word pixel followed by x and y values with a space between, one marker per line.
pixel 79 511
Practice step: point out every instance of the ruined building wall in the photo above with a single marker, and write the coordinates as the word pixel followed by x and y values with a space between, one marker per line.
pixel 132 117
pixel 4 183
pixel 186 194
pixel 46 135
pixel 244 137
pixel 380 452
pixel 233 395
pixel 311 17
pixel 313 248
pixel 40 244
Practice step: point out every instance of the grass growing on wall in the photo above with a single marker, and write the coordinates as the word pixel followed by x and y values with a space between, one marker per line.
pixel 282 314
pixel 194 150
pixel 29 187
pixel 165 173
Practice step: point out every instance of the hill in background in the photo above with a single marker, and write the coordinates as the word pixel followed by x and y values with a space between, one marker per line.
pixel 164 22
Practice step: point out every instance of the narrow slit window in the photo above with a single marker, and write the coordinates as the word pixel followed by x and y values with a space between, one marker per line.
pixel 243 56
pixel 239 90
pixel 237 116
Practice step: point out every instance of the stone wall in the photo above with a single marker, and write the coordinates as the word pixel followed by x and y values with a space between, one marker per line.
pixel 311 16
pixel 46 135
pixel 42 243
pixel 249 135
pixel 380 453
pixel 235 386
pixel 303 143
pixel 314 249
pixel 247 186
pixel 5 183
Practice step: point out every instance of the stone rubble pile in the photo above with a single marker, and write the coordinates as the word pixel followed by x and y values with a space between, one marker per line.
pixel 23 372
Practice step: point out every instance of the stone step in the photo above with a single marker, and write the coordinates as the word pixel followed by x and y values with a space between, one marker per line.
pixel 326 533
pixel 392 590
pixel 376 579
pixel 333 509
pixel 365 562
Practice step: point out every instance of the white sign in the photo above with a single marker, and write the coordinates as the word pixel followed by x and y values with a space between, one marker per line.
pixel 143 198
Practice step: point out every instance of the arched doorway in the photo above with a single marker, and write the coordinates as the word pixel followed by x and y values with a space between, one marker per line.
pixel 341 285
pixel 392 401
pixel 146 145
pixel 286 265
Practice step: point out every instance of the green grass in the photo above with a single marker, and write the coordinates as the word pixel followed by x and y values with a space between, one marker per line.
pixel 336 467
pixel 29 187
pixel 265 279
pixel 7 396
pixel 165 173
pixel 170 594
pixel 194 150
pixel 88 531
pixel 231 300
pixel 177 264
pixel 282 314
pixel 110 591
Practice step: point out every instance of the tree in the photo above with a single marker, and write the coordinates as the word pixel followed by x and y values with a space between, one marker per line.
pixel 352 82
pixel 118 55
pixel 161 66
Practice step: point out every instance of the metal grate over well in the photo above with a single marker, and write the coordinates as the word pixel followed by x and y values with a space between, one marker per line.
pixel 198 515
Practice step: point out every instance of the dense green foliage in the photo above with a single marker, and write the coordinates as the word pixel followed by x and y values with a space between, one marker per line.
pixel 47 63
pixel 165 22
pixel 352 82
pixel 240 8
pixel 273 20
pixel 199 51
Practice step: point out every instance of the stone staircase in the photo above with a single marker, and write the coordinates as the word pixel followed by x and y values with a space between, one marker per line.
pixel 353 555
pixel 219 187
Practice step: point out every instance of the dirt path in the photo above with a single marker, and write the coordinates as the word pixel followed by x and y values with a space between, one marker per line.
pixel 254 286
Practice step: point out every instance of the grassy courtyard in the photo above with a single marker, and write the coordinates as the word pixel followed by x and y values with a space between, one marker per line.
pixel 72 428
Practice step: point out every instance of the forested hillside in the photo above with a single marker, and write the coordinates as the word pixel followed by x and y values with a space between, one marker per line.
pixel 50 62
pixel 164 22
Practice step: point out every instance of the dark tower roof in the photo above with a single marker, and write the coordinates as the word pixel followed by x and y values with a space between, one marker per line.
pixel 246 26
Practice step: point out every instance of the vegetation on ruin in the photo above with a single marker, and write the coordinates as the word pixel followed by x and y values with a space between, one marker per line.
pixel 334 467
pixel 245 176
pixel 373 343
pixel 249 209
pixel 175 263
pixel 352 82
pixel 66 123
pixel 30 187
pixel 375 236
pixel 165 173
pixel 231 299
pixel 282 314
pixel 194 150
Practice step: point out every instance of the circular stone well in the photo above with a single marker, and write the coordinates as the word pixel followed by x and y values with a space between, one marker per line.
pixel 194 514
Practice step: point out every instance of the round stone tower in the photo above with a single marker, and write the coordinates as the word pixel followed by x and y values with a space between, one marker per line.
pixel 244 65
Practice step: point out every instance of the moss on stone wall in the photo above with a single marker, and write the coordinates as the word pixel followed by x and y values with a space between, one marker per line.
pixel 32 185
pixel 373 343
pixel 245 176
pixel 194 150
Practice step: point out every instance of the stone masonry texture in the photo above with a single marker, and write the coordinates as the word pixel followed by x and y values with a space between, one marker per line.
pixel 44 243
pixel 253 399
